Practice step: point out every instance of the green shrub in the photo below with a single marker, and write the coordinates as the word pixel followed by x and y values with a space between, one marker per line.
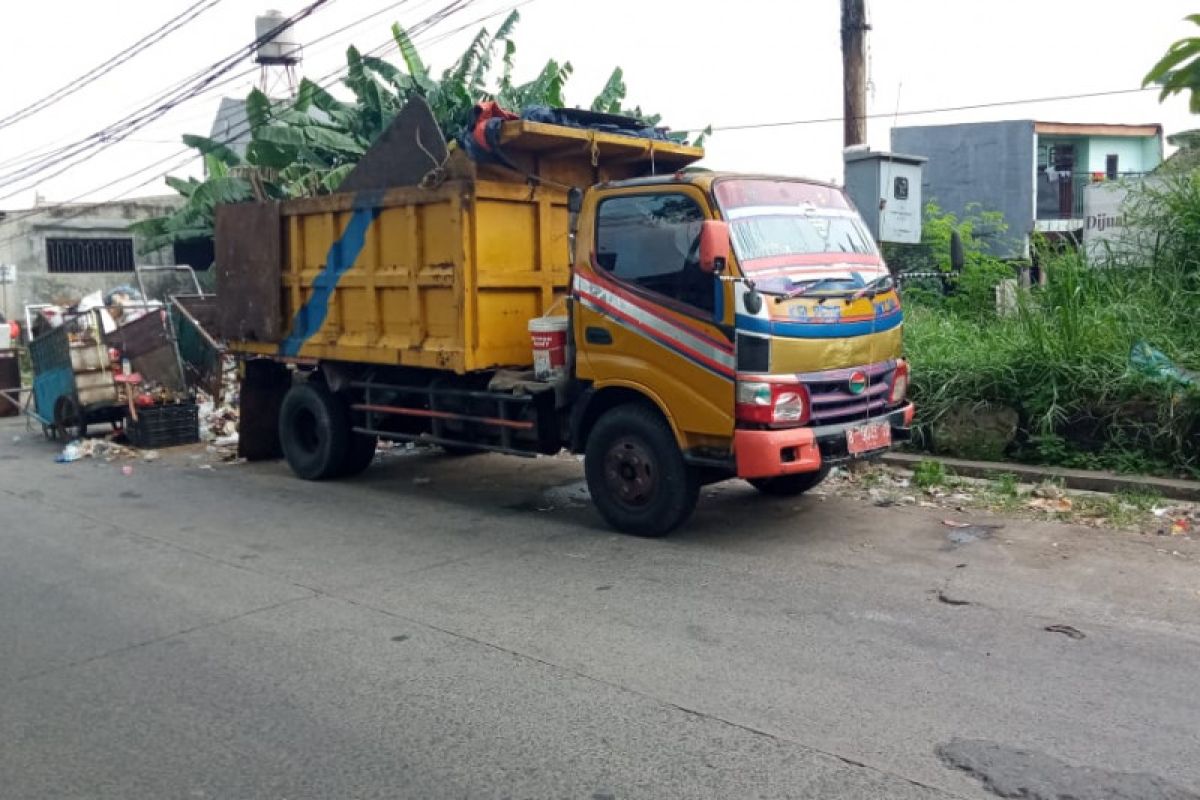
pixel 1063 360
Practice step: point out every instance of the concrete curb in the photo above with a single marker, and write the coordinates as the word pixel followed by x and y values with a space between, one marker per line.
pixel 1085 480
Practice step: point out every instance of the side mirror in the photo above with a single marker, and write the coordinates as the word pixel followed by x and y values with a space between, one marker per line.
pixel 714 246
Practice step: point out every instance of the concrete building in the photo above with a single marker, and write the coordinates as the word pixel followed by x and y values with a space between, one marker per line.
pixel 1032 172
pixel 62 252
pixel 231 126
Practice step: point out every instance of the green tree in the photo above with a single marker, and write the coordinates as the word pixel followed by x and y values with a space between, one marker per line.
pixel 1178 70
pixel 309 145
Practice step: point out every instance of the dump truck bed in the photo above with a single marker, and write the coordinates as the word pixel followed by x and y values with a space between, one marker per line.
pixel 445 275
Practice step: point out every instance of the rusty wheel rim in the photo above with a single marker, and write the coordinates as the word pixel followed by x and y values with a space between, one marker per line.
pixel 630 472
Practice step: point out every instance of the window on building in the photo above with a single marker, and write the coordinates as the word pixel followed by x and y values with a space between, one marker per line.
pixel 1112 166
pixel 89 255
pixel 196 253
pixel 653 241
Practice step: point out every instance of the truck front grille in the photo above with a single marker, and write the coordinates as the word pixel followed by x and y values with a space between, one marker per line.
pixel 833 402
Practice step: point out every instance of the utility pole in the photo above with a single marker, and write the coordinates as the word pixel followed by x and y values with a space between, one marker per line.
pixel 854 71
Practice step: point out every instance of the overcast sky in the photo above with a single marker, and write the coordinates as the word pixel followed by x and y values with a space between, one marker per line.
pixel 696 63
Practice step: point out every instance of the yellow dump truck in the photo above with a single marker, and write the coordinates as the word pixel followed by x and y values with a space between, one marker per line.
pixel 576 287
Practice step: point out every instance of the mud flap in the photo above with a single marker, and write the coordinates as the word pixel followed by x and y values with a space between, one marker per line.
pixel 264 383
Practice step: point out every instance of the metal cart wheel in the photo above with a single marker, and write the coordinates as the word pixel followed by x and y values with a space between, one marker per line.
pixel 69 420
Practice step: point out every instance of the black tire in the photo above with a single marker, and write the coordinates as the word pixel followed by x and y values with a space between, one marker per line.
pixel 360 454
pixel 69 421
pixel 636 474
pixel 790 485
pixel 455 451
pixel 314 431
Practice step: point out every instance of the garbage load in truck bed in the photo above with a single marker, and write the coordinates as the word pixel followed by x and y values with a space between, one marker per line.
pixel 445 272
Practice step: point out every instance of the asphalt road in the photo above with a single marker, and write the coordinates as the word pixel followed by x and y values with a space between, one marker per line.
pixel 468 628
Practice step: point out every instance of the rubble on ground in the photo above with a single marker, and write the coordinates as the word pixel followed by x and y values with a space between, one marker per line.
pixel 884 486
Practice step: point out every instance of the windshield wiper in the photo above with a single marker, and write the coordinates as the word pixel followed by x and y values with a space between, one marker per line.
pixel 881 284
pixel 793 293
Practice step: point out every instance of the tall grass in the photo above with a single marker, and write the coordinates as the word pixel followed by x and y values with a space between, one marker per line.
pixel 1062 361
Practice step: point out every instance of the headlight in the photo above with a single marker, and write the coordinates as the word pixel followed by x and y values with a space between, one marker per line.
pixel 771 403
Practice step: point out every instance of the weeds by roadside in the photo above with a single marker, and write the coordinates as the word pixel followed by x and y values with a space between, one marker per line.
pixel 1065 361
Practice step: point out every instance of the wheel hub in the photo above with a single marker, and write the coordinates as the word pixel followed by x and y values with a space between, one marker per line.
pixel 630 472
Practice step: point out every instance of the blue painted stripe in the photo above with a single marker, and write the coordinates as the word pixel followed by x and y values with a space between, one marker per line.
pixel 338 261
pixel 819 330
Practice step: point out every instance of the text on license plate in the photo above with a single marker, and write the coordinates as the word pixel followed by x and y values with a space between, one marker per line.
pixel 872 436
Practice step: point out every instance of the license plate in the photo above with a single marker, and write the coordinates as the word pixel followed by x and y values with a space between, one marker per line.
pixel 865 438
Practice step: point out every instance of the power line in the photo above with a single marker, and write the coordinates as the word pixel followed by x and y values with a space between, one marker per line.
pixel 99 71
pixel 35 155
pixel 414 31
pixel 151 111
pixel 947 109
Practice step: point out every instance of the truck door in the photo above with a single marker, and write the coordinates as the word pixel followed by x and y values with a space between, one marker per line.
pixel 648 316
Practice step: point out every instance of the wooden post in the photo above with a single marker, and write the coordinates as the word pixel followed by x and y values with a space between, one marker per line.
pixel 854 72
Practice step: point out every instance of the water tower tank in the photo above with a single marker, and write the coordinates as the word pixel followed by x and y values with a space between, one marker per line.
pixel 282 47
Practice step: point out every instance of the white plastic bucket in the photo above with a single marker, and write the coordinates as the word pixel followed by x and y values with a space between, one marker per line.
pixel 549 338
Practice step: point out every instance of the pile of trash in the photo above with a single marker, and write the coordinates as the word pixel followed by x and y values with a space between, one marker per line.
pixel 219 417
pixel 100 449
pixel 121 305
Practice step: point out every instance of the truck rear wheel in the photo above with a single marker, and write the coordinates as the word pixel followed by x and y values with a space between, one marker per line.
pixel 635 473
pixel 790 485
pixel 314 431
pixel 360 454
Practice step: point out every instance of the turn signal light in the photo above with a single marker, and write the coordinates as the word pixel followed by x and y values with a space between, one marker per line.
pixel 899 388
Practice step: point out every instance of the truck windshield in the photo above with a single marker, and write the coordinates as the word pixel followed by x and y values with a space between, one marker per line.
pixel 790 232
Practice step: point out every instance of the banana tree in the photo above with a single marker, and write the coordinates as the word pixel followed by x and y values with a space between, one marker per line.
pixel 306 146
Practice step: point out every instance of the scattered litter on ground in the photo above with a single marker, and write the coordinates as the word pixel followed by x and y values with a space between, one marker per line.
pixel 150 455
pixel 1054 505
pixel 421 481
pixel 885 486
pixel 126 470
pixel 1049 489
pixel 72 452
pixel 1066 630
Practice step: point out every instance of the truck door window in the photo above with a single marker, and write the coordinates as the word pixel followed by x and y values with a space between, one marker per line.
pixel 653 240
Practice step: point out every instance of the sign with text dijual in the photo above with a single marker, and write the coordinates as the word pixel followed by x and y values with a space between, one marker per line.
pixel 1108 237
pixel 8 274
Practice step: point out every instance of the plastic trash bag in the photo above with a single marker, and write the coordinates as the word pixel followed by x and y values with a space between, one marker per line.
pixel 1155 364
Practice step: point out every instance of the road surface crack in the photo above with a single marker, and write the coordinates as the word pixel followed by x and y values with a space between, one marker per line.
pixel 157 639
pixel 777 738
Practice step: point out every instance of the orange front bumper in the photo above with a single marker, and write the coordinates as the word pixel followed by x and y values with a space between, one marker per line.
pixel 765 454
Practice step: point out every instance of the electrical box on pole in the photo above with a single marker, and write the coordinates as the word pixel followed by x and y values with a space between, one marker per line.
pixel 886 187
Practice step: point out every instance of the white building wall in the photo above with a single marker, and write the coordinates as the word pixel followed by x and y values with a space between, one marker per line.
pixel 23 235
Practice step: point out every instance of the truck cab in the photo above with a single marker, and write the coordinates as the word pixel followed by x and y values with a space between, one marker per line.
pixel 754 314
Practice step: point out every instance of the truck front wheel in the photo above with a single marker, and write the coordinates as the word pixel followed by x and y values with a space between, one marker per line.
pixel 790 485
pixel 636 474
pixel 313 431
